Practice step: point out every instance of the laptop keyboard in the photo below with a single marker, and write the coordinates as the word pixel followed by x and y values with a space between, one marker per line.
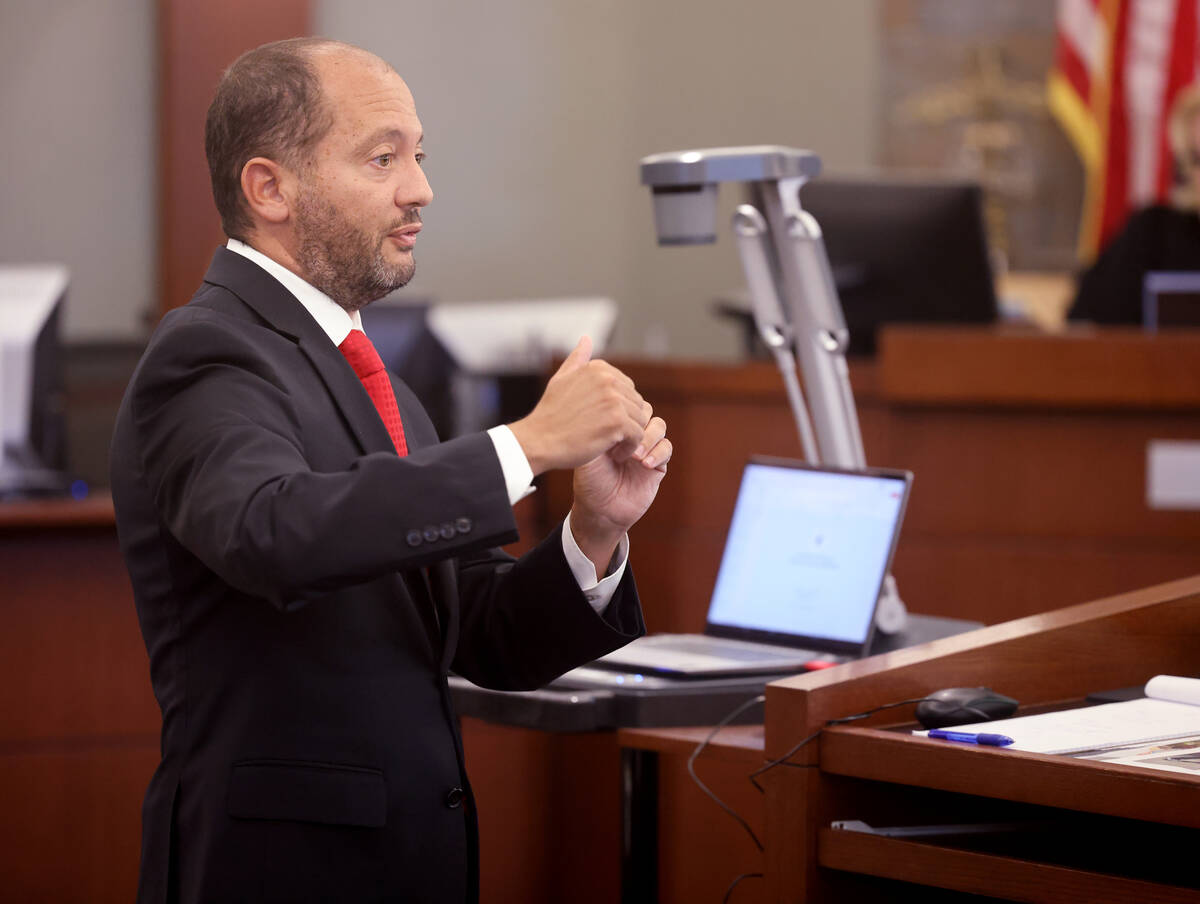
pixel 707 646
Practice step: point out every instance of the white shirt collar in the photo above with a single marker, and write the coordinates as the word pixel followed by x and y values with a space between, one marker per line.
pixel 335 320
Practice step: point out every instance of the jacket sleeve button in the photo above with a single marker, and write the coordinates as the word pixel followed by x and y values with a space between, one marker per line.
pixel 464 525
pixel 413 538
pixel 454 798
pixel 447 531
pixel 431 533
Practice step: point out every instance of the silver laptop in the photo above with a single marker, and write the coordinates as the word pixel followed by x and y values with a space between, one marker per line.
pixel 805 557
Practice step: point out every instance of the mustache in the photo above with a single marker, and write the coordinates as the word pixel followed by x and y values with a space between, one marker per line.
pixel 410 219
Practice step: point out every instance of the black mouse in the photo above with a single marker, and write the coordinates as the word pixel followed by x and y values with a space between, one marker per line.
pixel 957 705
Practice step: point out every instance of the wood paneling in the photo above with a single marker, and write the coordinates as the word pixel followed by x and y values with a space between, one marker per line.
pixel 71 829
pixel 196 42
pixel 79 737
pixel 940 365
pixel 1099 819
pixel 549 813
pixel 1029 455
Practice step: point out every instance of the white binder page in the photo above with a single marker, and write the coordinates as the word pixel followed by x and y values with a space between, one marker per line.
pixel 1091 729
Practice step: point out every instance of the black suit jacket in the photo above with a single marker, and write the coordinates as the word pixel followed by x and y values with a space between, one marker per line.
pixel 1154 238
pixel 302 592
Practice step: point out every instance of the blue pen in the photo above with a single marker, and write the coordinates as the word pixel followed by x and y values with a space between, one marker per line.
pixel 966 737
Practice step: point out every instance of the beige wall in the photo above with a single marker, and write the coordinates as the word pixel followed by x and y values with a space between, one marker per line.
pixel 77 150
pixel 537 113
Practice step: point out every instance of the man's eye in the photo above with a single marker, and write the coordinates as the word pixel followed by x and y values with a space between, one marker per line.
pixel 385 159
pixel 420 157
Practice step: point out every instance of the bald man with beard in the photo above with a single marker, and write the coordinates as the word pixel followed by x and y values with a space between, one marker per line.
pixel 309 561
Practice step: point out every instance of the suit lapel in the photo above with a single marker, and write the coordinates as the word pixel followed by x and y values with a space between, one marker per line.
pixel 348 392
pixel 280 309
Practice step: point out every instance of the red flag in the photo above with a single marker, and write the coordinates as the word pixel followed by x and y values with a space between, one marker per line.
pixel 1118 66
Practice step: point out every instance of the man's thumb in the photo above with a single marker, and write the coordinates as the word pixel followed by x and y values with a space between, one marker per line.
pixel 580 355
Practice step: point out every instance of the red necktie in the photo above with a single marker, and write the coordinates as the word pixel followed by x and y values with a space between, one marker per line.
pixel 361 354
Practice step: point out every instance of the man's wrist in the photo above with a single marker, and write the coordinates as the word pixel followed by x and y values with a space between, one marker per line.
pixel 597 538
pixel 597 590
pixel 526 438
pixel 514 465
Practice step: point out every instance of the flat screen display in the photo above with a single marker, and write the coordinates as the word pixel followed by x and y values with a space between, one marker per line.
pixel 807 551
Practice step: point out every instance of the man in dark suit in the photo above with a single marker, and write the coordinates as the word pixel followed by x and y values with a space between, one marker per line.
pixel 308 561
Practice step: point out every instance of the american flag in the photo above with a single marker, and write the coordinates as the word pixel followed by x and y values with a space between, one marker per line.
pixel 1118 66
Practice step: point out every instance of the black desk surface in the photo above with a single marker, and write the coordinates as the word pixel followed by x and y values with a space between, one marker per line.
pixel 592 699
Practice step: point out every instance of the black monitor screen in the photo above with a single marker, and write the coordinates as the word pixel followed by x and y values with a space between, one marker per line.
pixel 406 346
pixel 904 251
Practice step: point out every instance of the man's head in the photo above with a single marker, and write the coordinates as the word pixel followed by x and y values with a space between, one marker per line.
pixel 1183 134
pixel 314 148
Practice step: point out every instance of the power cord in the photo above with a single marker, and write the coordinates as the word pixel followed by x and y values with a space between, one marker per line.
pixel 754 701
pixel 828 724
pixel 734 884
pixel 691 766
pixel 779 761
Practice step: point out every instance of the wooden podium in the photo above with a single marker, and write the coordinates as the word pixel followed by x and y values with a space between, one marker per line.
pixel 1029 451
pixel 1089 831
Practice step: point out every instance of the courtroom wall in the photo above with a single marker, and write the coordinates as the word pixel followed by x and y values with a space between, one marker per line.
pixel 537 113
pixel 78 174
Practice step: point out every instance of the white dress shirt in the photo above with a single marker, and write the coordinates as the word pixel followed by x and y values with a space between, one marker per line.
pixel 337 323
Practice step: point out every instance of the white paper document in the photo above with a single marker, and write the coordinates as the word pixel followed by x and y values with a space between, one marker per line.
pixel 1170 711
pixel 1171 755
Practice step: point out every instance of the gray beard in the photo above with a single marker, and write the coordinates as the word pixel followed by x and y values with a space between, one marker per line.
pixel 342 260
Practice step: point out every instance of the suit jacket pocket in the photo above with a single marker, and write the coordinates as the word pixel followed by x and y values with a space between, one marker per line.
pixel 308 792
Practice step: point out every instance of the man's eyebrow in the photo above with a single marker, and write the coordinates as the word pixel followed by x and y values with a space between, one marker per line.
pixel 382 135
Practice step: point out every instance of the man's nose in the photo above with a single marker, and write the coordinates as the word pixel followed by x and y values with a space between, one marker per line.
pixel 415 192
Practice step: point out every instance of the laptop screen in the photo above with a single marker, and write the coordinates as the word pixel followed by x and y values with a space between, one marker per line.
pixel 807 551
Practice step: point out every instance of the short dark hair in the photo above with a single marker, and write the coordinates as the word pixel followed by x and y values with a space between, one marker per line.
pixel 269 104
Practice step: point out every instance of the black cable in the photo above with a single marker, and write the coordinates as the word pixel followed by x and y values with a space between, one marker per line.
pixel 741 708
pixel 844 719
pixel 734 884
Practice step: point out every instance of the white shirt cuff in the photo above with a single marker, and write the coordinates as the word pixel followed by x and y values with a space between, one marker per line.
pixel 518 476
pixel 599 593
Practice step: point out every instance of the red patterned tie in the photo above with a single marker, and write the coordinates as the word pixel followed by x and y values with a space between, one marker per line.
pixel 361 354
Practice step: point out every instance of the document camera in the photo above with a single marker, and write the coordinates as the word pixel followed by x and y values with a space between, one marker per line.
pixel 795 302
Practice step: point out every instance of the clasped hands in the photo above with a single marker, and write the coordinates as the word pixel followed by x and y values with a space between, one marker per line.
pixel 592 418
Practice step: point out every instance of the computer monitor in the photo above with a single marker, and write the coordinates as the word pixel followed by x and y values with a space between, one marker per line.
pixel 501 350
pixel 1170 298
pixel 32 425
pixel 904 250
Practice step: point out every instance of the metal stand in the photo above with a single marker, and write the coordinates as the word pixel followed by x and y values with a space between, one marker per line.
pixel 793 296
pixel 639 826
pixel 590 699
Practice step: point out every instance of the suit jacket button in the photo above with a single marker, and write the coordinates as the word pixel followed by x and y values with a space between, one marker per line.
pixel 464 525
pixel 413 538
pixel 431 533
pixel 454 798
pixel 447 531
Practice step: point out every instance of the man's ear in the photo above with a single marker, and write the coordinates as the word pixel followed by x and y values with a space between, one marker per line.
pixel 263 186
